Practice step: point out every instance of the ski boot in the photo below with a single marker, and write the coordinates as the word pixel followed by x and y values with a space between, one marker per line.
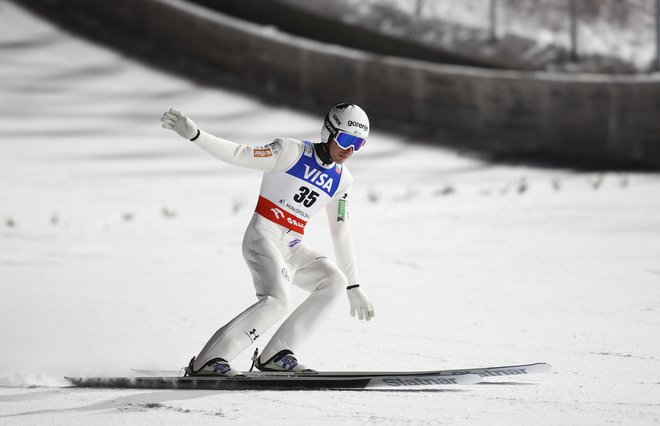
pixel 215 367
pixel 282 361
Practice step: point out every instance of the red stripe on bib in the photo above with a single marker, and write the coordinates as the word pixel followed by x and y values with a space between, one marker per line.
pixel 274 213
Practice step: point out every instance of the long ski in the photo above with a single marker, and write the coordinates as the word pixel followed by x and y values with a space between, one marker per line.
pixel 315 380
pixel 271 381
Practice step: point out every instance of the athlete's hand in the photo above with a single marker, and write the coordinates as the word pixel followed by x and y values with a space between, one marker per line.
pixel 359 303
pixel 178 122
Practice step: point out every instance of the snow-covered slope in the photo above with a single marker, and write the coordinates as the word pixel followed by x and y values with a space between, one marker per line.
pixel 120 249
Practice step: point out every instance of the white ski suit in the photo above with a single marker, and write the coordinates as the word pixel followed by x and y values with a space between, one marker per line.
pixel 295 186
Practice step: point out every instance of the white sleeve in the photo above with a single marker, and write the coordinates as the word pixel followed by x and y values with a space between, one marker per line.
pixel 342 239
pixel 274 157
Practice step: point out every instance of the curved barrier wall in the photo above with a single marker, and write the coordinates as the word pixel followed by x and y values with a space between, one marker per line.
pixel 602 119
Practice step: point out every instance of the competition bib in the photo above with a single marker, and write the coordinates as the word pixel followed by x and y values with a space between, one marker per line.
pixel 292 197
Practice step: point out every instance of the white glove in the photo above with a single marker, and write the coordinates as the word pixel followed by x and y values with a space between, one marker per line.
pixel 178 122
pixel 359 303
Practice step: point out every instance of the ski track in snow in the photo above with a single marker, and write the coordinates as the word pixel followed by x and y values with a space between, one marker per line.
pixel 120 249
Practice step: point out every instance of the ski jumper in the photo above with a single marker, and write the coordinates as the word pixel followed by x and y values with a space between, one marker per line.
pixel 295 186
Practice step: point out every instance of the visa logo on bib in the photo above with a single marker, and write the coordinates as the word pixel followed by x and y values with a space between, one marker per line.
pixel 308 170
pixel 318 178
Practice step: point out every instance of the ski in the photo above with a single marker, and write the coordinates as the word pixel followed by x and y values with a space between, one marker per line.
pixel 503 371
pixel 510 370
pixel 314 380
pixel 256 381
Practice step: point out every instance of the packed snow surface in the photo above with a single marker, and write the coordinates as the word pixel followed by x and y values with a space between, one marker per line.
pixel 120 249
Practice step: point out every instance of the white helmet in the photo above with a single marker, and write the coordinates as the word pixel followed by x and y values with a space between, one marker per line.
pixel 348 124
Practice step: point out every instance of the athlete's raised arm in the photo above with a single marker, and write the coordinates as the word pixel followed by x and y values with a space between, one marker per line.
pixel 276 156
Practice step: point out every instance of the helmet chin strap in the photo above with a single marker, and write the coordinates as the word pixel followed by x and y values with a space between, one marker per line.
pixel 323 152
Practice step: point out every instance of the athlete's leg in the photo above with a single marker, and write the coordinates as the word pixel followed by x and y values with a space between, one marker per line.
pixel 325 282
pixel 273 291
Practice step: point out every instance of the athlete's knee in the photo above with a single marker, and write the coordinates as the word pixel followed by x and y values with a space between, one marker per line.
pixel 278 305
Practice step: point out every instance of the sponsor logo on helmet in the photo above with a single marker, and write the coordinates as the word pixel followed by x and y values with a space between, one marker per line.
pixel 337 120
pixel 352 123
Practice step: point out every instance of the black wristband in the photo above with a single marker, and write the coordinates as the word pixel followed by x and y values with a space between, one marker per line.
pixel 352 286
pixel 196 136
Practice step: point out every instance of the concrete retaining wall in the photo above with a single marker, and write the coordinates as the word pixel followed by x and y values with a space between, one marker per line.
pixel 611 120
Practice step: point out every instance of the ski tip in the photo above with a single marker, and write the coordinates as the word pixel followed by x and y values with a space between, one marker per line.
pixel 537 367
pixel 541 367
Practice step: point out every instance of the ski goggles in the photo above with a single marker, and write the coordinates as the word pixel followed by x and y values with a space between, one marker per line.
pixel 346 140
